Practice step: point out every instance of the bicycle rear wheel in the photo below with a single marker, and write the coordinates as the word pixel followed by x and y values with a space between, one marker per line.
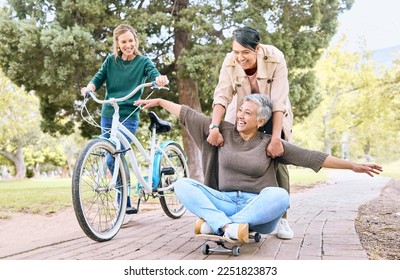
pixel 172 167
pixel 99 206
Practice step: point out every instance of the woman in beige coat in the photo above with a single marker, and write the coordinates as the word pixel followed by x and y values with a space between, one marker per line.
pixel 252 67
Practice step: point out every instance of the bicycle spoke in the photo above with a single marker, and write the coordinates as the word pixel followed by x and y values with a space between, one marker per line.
pixel 99 206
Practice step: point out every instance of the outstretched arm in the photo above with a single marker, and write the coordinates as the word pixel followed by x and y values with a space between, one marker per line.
pixel 334 162
pixel 171 107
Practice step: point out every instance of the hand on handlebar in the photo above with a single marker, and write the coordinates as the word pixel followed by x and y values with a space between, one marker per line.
pixel 85 90
pixel 162 80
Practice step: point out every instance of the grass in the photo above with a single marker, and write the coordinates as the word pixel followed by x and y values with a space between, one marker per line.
pixel 39 196
pixel 306 177
pixel 392 170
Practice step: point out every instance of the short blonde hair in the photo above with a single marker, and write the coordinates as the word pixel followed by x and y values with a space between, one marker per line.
pixel 118 31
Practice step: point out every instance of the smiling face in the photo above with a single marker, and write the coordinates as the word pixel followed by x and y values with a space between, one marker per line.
pixel 247 122
pixel 127 44
pixel 245 57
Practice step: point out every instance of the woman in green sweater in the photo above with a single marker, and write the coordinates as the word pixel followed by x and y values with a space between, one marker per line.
pixel 247 197
pixel 122 71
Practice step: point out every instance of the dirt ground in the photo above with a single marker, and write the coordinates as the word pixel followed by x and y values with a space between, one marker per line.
pixel 378 224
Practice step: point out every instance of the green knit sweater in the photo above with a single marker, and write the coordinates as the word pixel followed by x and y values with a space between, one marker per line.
pixel 121 77
pixel 239 164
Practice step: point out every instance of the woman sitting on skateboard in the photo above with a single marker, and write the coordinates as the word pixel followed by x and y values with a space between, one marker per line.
pixel 247 198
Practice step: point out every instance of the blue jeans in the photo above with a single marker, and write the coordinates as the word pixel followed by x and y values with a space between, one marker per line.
pixel 132 126
pixel 261 211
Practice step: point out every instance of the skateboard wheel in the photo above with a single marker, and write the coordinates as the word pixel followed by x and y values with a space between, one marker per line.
pixel 235 251
pixel 257 237
pixel 205 249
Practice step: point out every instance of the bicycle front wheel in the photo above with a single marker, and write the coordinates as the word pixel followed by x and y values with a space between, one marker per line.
pixel 99 206
pixel 173 166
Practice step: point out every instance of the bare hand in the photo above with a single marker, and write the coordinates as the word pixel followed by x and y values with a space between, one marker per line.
pixel 215 138
pixel 162 80
pixel 90 87
pixel 370 169
pixel 149 103
pixel 275 148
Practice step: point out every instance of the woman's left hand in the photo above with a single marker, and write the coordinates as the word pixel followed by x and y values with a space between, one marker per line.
pixel 275 148
pixel 147 103
pixel 370 168
pixel 162 80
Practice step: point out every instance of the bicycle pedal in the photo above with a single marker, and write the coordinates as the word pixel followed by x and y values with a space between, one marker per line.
pixel 168 171
pixel 131 210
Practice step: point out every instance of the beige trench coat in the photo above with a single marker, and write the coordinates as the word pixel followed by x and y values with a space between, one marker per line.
pixel 272 78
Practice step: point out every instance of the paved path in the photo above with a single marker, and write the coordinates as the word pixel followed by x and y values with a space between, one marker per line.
pixel 322 219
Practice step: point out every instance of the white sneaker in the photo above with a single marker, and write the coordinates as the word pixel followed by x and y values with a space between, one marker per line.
pixel 237 232
pixel 201 227
pixel 283 230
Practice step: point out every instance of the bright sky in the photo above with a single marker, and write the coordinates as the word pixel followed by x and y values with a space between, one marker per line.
pixel 375 22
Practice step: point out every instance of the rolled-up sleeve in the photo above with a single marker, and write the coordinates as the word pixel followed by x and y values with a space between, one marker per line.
pixel 223 92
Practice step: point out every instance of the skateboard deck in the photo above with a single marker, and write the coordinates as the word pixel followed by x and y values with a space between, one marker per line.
pixel 221 243
pixel 217 238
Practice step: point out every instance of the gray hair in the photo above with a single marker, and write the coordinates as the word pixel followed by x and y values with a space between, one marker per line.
pixel 264 112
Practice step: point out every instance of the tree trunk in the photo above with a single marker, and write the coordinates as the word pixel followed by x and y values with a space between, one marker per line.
pixel 36 170
pixel 65 170
pixel 188 92
pixel 20 166
pixel 327 141
pixel 18 160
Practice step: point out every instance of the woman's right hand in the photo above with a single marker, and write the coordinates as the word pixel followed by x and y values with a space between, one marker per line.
pixel 215 138
pixel 88 87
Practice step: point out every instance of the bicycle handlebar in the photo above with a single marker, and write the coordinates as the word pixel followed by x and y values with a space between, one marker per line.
pixel 154 85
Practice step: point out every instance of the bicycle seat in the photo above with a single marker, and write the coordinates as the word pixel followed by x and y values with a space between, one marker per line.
pixel 161 125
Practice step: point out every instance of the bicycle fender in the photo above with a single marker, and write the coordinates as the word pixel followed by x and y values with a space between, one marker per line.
pixel 157 163
pixel 104 138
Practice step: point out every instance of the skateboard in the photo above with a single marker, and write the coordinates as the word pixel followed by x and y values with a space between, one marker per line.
pixel 221 241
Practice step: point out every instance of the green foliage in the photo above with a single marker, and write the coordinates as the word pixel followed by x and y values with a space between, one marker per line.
pixel 20 126
pixel 20 117
pixel 304 84
pixel 46 150
pixel 360 109
pixel 54 47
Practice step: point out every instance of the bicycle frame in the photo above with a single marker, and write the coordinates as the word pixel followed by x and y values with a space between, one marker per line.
pixel 118 138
